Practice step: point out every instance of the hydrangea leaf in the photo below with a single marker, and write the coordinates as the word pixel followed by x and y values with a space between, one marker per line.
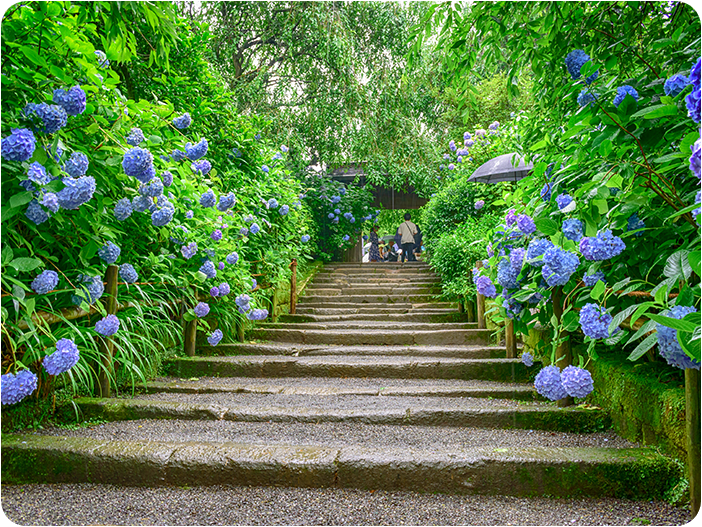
pixel 21 198
pixel 691 343
pixel 677 266
pixel 25 264
pixel 597 290
pixel 683 325
pixel 547 226
pixel 659 110
pixel 643 347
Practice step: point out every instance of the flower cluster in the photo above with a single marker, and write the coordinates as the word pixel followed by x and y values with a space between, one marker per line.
pixel 622 92
pixel 45 282
pixel 109 253
pixel 52 116
pixel 575 61
pixel 305 238
pixel 591 280
pixel 527 359
pixel 90 291
pixel 37 174
pixel 254 228
pixel 201 167
pixel 208 199
pixel 164 215
pixel 558 266
pixel 102 59
pixel 72 101
pixel 635 223
pixel 35 213
pixel 284 210
pixel 107 326
pixel 573 229
pixel 479 204
pixel 548 383
pixel 257 314
pixel 602 247
pixel 232 258
pixel 226 201
pixel 577 382
pixel 594 321
pixel 215 337
pixel 694 99
pixel 195 152
pixel 586 97
pixel 485 286
pixel 202 309
pixel 189 250
pixel 14 388
pixel 507 275
pixel 128 273
pixel 63 359
pixel 139 163
pixel 696 158
pixel 208 269
pixel 668 345
pixel 151 189
pixel 675 84
pixel 183 121
pixel 19 145
pixel 537 247
pixel 135 137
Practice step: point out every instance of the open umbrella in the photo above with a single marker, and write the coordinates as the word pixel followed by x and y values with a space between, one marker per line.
pixel 507 167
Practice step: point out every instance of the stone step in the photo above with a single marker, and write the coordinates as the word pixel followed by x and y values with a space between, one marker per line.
pixel 350 309
pixel 351 337
pixel 371 290
pixel 409 317
pixel 373 265
pixel 307 350
pixel 395 273
pixel 370 324
pixel 376 279
pixel 488 469
pixel 335 387
pixel 408 367
pixel 309 298
pixel 318 408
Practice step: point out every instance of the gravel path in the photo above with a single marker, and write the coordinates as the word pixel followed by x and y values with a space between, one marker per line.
pixel 338 435
pixel 87 504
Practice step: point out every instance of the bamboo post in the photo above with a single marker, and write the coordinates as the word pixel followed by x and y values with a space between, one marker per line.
pixel 293 286
pixel 510 340
pixel 240 330
pixel 692 425
pixel 274 305
pixel 481 303
pixel 190 335
pixel 470 311
pixel 563 354
pixel 106 346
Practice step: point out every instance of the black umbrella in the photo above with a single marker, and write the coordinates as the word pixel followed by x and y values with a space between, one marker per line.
pixel 507 167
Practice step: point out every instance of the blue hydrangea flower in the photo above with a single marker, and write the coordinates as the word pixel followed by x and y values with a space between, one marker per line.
pixel 668 345
pixel 135 137
pixel 189 250
pixel 257 314
pixel 27 185
pixel 336 219
pixel 37 173
pixel 451 166
pixel 594 321
pixel 76 192
pixel 257 137
pixel 19 145
pixel 208 199
pixel 45 282
pixel 242 300
pixel 634 223
pixel 511 217
pixel 346 237
pixel 586 97
pixel 696 212
pixel 202 309
pixel 208 269
pixel 102 59
pixel 479 204
pixel 152 189
pixel 123 209
pixel 507 275
pixel 284 210
pixel 573 229
pixel 232 258
pixel 591 280
pixel 63 359
pixel 527 359
pixel 138 162
pixel 305 238
pixel 226 201
pixel 141 204
pixel 696 158
pixel 558 266
pixel 675 84
pixel 90 291
pixel 190 214
pixel 164 215
pixel 526 224
pixel 563 200
pixel 53 117
pixel 255 228
pixel 244 231
pixel 201 167
pixel 335 199
pixel 575 61
pixel 224 289
pixel 272 203
pixel 72 101
pixel 167 178
pixel 548 383
pixel 602 247
pixel 14 388
pixel 107 326
pixel 195 152
pixel 128 273
pixel 577 382
pixel 216 235
pixel 468 143
pixel 50 201
pixel 178 155
pixel 109 253
pixel 485 287
pixel 77 164
pixel 183 121
pixel 692 101
pixel 536 248
pixel 214 291
pixel 622 92
pixel 215 337
pixel 35 213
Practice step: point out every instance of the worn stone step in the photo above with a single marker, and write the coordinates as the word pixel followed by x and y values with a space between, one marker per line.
pixel 408 317
pixel 309 298
pixel 355 337
pixel 316 408
pixel 373 279
pixel 355 275
pixel 306 350
pixel 409 367
pixel 370 324
pixel 326 309
pixel 517 471
pixel 372 290
pixel 337 386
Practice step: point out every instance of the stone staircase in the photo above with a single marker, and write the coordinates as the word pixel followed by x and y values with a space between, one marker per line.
pixel 372 384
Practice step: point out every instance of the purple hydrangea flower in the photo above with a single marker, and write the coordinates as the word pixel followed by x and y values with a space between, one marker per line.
pixel 77 165
pixel 183 121
pixel 591 280
pixel 202 309
pixel 14 388
pixel 594 321
pixel 189 250
pixel 257 314
pixel 216 235
pixel 45 282
pixel 479 204
pixel 220 266
pixel 224 289
pixel 109 253
pixel 602 247
pixel 37 174
pixel 139 163
pixel 536 248
pixel 558 266
pixel 208 269
pixel 696 158
pixel 244 231
pixel 107 326
pixel 135 137
pixel 577 382
pixel 696 212
pixel 452 145
pixel 511 218
pixel 215 337
pixel 189 215
pixel 19 145
pixel 254 284
pixel 622 92
pixel 232 258
pixel 526 224
pixel 548 383
pixel 668 345
pixel 485 286
pixel 195 152
pixel 675 84
pixel 214 291
pixel 50 201
pixel 272 203
pixel 35 213
pixel 451 166
pixel 527 359
pixel 242 300
pixel 128 273
pixel 563 200
pixel 692 101
pixel 255 228
pixel 335 199
pixel 72 101
pixel 507 275
pixel 123 209
pixel 63 359
pixel 573 229
pixel 201 167
pixel 516 258
pixel 76 192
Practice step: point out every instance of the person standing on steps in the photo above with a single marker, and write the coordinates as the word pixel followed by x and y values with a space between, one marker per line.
pixel 407 231
pixel 374 253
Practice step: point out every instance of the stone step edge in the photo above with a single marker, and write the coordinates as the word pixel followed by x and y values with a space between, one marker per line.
pixel 637 473
pixel 572 419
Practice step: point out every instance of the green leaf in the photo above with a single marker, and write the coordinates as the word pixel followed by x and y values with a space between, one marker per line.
pixel 597 290
pixel 674 323
pixel 643 347
pixel 677 266
pixel 695 259
pixel 605 148
pixel 155 139
pixel 570 321
pixel 7 255
pixel 21 199
pixel 32 55
pixel 601 205
pixel 25 264
pixel 691 344
pixel 659 110
pixel 547 226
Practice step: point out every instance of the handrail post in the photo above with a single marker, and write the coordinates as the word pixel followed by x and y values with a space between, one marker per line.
pixel 563 355
pixel 480 302
pixel 106 346
pixel 190 335
pixel 692 425
pixel 293 286
pixel 510 340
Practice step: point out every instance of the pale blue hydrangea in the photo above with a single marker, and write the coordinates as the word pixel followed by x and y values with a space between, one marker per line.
pixel 335 199
pixel 208 269
pixel 109 253
pixel 178 155
pixel 167 178
pixel 510 218
pixel 244 231
pixel 577 382
pixel 37 174
pixel 586 97
pixel 102 59
pixel 201 309
pixel 195 152
pixel 346 237
pixel 573 229
pixel 602 247
pixel 76 165
pixel 224 289
pixel 50 201
pixel 232 258
pixel 14 388
pixel 35 213
pixel 63 359
pixel 675 85
pixel 507 275
pixel 189 215
pixel 527 359
pixel 123 209
pixel 164 215
pixel 183 121
pixel 548 383
pixel 284 210
pixel 214 291
pixel 19 145
pixel 138 162
pixel 189 250
pixel 72 101
pixel 668 345
pixel 215 337
pixel 226 201
pixel 591 280
pixel 485 286
pixel 208 199
pixel 141 204
pixel 152 189
pixel 255 228
pixel 107 326
pixel 272 203
pixel 135 137
pixel 452 145
pixel 563 200
pixel 526 224
pixel 622 92
pixel 594 321
pixel 76 192
pixel 257 314
pixel 45 282
pixel 558 266
pixel 479 204
pixel 201 167
pixel 516 258
pixel 305 238
pixel 254 283
pixel 128 273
